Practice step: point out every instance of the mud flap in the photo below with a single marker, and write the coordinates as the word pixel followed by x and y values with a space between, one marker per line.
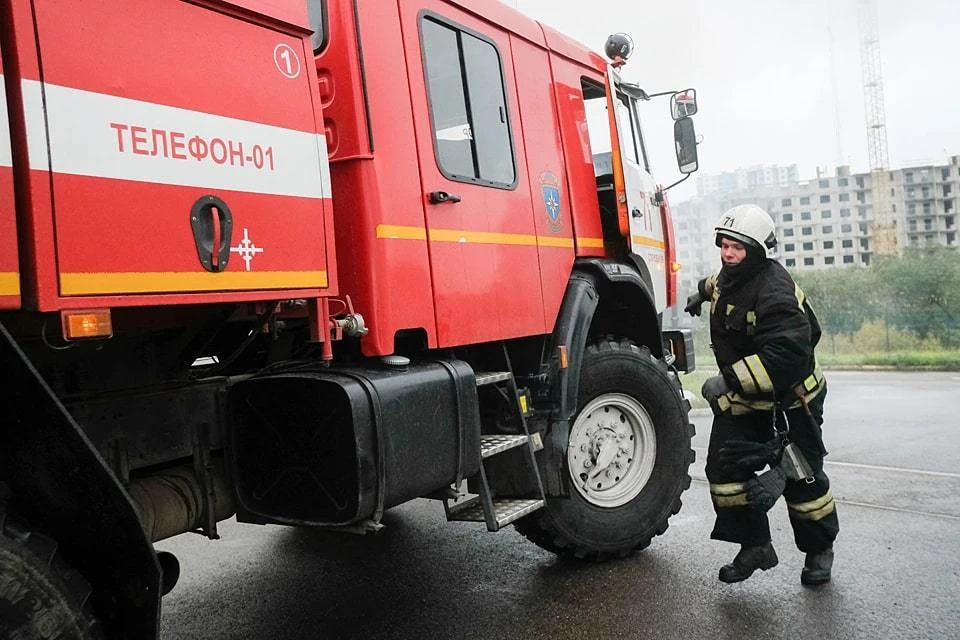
pixel 573 323
pixel 62 485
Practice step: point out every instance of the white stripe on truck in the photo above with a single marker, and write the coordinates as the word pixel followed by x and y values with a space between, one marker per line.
pixel 6 159
pixel 103 136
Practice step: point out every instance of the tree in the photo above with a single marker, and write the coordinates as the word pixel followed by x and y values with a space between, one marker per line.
pixel 843 298
pixel 923 289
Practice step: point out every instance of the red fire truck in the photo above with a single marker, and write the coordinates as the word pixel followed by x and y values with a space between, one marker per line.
pixel 301 262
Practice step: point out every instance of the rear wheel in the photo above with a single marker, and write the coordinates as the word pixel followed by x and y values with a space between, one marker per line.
pixel 41 598
pixel 627 460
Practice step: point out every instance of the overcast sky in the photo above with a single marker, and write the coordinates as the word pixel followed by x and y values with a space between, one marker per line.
pixel 765 81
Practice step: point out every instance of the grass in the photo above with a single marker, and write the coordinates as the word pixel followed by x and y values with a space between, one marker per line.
pixel 944 360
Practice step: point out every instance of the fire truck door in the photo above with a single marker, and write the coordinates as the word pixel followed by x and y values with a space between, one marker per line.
pixel 195 167
pixel 636 188
pixel 9 267
pixel 480 225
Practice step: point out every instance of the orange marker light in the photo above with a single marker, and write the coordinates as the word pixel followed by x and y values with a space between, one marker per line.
pixel 89 323
pixel 675 266
pixel 562 353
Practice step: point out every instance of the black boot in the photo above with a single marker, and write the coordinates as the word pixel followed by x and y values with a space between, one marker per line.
pixel 816 569
pixel 748 560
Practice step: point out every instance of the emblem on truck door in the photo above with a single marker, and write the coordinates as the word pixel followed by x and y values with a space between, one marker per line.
pixel 550 188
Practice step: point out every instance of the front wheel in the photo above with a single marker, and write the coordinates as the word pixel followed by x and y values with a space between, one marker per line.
pixel 627 460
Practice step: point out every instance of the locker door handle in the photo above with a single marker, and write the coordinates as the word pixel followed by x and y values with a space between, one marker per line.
pixel 212 223
pixel 439 197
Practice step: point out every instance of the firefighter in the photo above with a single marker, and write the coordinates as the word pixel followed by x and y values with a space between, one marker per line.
pixel 763 332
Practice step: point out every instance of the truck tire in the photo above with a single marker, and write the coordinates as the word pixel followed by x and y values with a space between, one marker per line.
pixel 41 598
pixel 632 425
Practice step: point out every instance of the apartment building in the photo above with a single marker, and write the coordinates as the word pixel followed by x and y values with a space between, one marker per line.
pixel 828 221
pixel 770 175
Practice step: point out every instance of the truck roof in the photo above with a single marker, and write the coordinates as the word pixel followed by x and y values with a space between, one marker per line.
pixel 526 27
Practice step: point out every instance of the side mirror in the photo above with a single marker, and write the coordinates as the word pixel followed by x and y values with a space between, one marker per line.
pixel 683 104
pixel 686 141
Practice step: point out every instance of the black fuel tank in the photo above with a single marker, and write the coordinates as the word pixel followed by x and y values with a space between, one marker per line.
pixel 313 445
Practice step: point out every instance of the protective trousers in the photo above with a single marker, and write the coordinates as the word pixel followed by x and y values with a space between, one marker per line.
pixel 813 513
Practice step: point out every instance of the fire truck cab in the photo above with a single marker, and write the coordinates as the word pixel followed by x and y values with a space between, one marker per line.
pixel 308 260
pixel 501 193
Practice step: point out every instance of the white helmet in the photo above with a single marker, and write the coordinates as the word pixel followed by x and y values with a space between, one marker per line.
pixel 750 224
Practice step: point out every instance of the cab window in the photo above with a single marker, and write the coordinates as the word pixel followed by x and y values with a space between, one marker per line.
pixel 626 119
pixel 468 107
pixel 317 14
pixel 635 146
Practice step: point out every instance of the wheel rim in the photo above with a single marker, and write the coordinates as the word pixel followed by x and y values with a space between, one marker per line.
pixel 612 450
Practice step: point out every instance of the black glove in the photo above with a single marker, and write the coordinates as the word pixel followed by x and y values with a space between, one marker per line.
pixel 764 490
pixel 694 303
pixel 744 455
pixel 713 388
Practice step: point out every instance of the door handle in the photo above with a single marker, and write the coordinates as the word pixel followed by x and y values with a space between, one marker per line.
pixel 439 197
pixel 212 222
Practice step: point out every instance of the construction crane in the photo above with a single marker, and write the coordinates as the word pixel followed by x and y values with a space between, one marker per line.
pixel 884 226
pixel 835 86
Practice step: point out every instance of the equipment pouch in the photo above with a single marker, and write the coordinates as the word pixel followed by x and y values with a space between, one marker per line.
pixel 795 465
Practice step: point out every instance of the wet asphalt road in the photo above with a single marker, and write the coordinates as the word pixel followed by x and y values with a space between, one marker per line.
pixel 894 443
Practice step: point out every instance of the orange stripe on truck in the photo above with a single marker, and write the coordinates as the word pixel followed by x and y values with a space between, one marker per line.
pixel 405 232
pixel 9 283
pixel 649 242
pixel 77 284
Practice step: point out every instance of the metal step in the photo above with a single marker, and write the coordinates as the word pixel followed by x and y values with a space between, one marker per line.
pixel 499 512
pixel 505 510
pixel 492 445
pixel 492 377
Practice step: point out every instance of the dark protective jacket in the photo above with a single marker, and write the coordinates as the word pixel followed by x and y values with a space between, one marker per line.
pixel 763 332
